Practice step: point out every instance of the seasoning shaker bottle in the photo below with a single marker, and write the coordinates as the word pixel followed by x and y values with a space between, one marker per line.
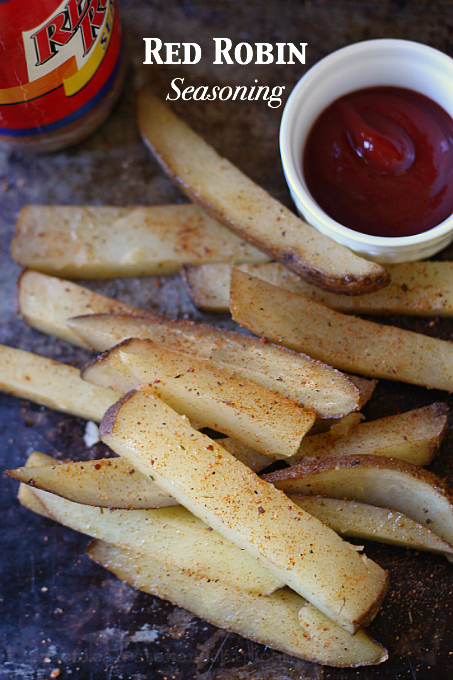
pixel 60 71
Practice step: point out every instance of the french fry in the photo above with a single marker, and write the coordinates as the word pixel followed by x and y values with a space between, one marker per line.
pixel 311 384
pixel 252 459
pixel 305 632
pixel 206 394
pixel 376 480
pixel 46 303
pixel 216 487
pixel 104 483
pixel 416 288
pixel 106 241
pixel 225 192
pixel 364 521
pixel 111 483
pixel 365 386
pixel 29 500
pixel 346 342
pixel 36 459
pixel 171 536
pixel 52 384
pixel 209 287
pixel 414 436
pixel 282 621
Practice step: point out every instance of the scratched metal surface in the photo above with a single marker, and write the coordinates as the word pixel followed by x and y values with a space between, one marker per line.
pixel 58 610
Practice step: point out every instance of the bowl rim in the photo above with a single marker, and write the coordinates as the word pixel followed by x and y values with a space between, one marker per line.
pixel 291 172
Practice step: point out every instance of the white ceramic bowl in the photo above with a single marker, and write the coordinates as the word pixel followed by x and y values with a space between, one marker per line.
pixel 398 63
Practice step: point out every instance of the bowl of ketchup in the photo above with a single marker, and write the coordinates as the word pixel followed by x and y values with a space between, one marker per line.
pixel 366 141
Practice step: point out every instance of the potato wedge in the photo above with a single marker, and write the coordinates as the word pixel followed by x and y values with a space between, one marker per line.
pixel 109 483
pixel 172 536
pixel 225 192
pixel 364 521
pixel 25 495
pixel 105 241
pixel 29 500
pixel 311 384
pixel 46 303
pixel 385 482
pixel 37 459
pixel 209 286
pixel 414 436
pixel 416 288
pixel 365 386
pixel 273 621
pixel 216 487
pixel 52 384
pixel 206 394
pixel 252 459
pixel 305 632
pixel 104 483
pixel 346 342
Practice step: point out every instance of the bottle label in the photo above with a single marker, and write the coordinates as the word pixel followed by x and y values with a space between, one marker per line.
pixel 67 61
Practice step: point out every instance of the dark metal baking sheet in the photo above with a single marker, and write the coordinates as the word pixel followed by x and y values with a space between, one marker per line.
pixel 58 610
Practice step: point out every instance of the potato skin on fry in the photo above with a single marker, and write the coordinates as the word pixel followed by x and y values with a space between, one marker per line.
pixel 230 196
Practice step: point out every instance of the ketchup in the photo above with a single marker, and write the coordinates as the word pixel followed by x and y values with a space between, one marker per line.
pixel 380 161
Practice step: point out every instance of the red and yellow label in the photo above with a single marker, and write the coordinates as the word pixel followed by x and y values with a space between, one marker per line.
pixel 58 60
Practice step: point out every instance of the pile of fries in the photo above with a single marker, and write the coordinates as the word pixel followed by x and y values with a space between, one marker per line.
pixel 192 518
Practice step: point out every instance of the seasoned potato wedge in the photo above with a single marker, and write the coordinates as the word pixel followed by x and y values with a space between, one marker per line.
pixel 29 500
pixel 46 303
pixel 25 494
pixel 253 459
pixel 109 483
pixel 282 621
pixel 346 342
pixel 413 436
pixel 104 483
pixel 216 487
pixel 364 521
pixel 385 482
pixel 170 535
pixel 52 384
pixel 225 192
pixel 365 386
pixel 311 384
pixel 38 459
pixel 206 394
pixel 106 241
pixel 209 286
pixel 416 288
